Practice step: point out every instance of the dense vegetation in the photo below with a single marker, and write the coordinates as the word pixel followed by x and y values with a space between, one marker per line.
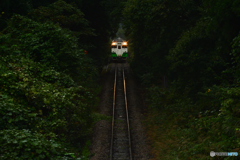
pixel 48 84
pixel 195 44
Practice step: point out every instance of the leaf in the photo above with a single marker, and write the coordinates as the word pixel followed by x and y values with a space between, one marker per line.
pixel 35 143
pixel 10 121
pixel 25 79
pixel 32 114
pixel 23 141
pixel 39 151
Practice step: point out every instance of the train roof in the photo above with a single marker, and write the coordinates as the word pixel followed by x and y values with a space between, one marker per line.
pixel 118 40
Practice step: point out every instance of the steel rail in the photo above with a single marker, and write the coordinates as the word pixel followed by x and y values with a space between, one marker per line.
pixel 129 136
pixel 113 116
pixel 114 100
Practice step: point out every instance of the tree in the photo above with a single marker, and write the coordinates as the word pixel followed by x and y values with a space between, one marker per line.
pixel 153 27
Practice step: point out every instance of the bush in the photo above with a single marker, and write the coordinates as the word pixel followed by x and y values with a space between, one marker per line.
pixel 211 123
pixel 15 115
pixel 50 45
pixel 23 144
pixel 47 89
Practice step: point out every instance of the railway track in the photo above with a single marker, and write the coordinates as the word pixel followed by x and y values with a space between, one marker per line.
pixel 120 139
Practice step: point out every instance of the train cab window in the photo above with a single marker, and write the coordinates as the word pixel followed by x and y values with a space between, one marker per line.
pixel 124 46
pixel 119 47
pixel 114 46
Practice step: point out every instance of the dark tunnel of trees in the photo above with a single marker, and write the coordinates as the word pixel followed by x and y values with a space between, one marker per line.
pixel 48 85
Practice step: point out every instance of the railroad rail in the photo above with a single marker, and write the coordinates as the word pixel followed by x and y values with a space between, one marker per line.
pixel 121 138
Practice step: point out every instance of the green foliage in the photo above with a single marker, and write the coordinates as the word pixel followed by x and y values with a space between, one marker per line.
pixel 113 11
pixel 196 45
pixel 41 44
pixel 66 15
pixel 10 7
pixel 23 144
pixel 153 28
pixel 188 41
pixel 236 59
pixel 194 64
pixel 212 123
pixel 201 56
pixel 105 25
pixel 47 87
pixel 14 115
pixel 47 83
pixel 93 38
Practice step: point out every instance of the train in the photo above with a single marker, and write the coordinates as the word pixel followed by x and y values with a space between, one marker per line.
pixel 119 50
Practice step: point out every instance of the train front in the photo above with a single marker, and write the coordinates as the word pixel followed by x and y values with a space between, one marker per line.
pixel 119 50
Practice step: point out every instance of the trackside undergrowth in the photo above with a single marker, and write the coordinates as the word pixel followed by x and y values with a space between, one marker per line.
pixel 181 129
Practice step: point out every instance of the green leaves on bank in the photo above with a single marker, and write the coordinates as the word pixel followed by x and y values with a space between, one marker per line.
pixel 47 91
pixel 195 46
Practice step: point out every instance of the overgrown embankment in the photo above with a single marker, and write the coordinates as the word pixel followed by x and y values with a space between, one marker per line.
pixel 181 128
pixel 195 44
pixel 48 91
pixel 47 94
pixel 50 55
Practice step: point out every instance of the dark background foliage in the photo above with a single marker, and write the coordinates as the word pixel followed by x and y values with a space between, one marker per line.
pixel 194 44
pixel 48 84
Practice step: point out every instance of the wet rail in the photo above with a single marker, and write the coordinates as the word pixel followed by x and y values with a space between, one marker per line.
pixel 121 138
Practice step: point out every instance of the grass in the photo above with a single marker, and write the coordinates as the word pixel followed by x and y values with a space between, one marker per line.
pixel 172 140
pixel 180 129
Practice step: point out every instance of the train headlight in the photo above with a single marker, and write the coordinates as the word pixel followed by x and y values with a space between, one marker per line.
pixel 114 43
pixel 124 43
